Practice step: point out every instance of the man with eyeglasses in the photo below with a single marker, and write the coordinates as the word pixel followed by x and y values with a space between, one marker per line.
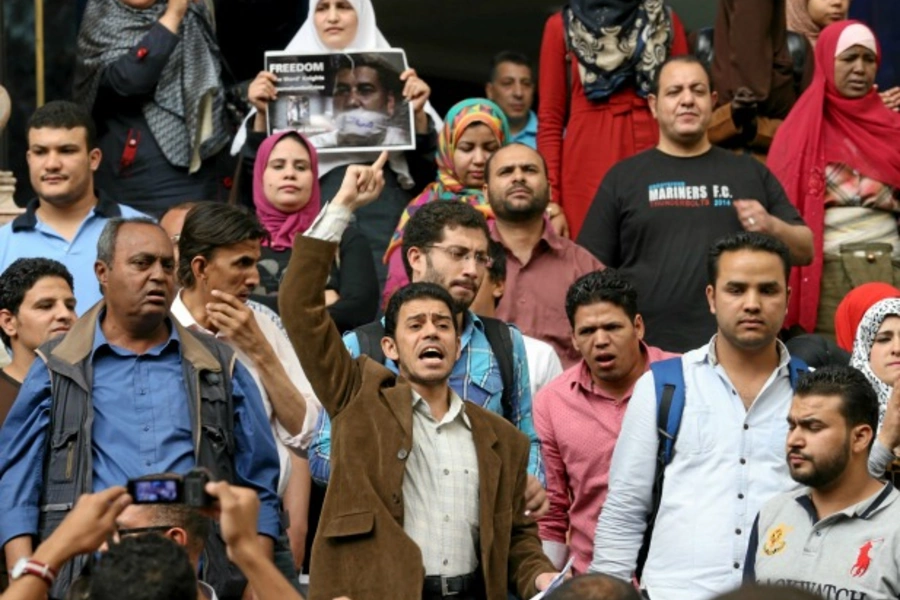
pixel 447 243
pixel 540 265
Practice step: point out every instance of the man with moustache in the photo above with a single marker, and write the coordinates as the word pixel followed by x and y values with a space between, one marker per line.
pixel 65 220
pixel 447 243
pixel 838 536
pixel 579 414
pixel 511 86
pixel 540 265
pixel 656 213
pixel 728 456
pixel 132 393
pixel 427 498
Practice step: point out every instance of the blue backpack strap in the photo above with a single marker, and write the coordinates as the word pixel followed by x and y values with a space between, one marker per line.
pixel 796 368
pixel 668 377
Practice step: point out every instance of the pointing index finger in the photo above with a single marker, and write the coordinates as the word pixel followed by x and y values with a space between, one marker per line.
pixel 382 160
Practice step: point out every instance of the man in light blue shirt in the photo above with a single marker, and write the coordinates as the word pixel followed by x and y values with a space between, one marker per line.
pixel 511 86
pixel 64 221
pixel 729 452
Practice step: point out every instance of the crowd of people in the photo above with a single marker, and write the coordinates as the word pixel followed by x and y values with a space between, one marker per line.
pixel 640 342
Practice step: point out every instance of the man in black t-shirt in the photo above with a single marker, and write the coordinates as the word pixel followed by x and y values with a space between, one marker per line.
pixel 656 213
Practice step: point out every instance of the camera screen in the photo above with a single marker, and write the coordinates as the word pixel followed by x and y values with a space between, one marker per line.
pixel 156 490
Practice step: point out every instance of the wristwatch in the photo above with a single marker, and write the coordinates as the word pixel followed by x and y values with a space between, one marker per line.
pixel 28 566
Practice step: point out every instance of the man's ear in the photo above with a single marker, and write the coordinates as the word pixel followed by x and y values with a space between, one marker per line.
pixel 417 258
pixel 178 535
pixel 499 288
pixel 101 271
pixel 651 102
pixel 714 96
pixel 8 323
pixel 711 298
pixel 198 268
pixel 95 157
pixel 389 347
pixel 489 91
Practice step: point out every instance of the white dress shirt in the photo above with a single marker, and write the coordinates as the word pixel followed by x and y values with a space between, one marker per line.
pixel 543 363
pixel 291 363
pixel 727 462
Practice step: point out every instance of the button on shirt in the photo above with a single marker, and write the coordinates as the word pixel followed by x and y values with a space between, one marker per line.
pixel 291 363
pixel 141 426
pixel 440 489
pixel 727 462
pixel 27 236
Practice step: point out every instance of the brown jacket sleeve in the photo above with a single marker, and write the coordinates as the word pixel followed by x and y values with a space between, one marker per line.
pixel 334 375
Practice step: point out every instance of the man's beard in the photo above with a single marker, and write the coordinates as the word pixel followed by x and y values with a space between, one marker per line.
pixel 539 201
pixel 824 471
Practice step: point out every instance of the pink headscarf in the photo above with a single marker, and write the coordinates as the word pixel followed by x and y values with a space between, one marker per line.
pixel 284 227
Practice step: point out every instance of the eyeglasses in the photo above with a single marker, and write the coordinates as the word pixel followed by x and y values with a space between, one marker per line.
pixel 460 254
pixel 117 535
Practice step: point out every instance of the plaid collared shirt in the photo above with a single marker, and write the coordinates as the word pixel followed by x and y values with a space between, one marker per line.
pixel 440 489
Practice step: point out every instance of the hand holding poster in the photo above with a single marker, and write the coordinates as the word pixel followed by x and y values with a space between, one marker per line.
pixel 342 102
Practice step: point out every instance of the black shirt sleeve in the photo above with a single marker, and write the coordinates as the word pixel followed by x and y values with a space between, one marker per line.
pixel 750 559
pixel 357 285
pixel 137 72
pixel 776 200
pixel 600 231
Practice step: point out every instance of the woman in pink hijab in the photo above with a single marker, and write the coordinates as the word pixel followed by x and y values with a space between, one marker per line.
pixel 287 198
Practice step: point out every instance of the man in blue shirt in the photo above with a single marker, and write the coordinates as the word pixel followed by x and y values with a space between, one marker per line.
pixel 65 220
pixel 150 383
pixel 511 86
pixel 447 243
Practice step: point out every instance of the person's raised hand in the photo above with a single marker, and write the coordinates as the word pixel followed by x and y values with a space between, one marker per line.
pixel 362 184
pixel 891 98
pixel 174 14
pixel 262 91
pixel 558 219
pixel 753 216
pixel 238 511
pixel 91 521
pixel 415 90
pixel 889 435
pixel 235 322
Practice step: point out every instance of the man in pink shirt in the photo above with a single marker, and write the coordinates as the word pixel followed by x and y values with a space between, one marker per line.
pixel 579 414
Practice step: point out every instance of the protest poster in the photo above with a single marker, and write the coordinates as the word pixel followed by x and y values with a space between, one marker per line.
pixel 349 101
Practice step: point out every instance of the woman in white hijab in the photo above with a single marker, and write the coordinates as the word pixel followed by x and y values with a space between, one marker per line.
pixel 349 25
pixel 876 353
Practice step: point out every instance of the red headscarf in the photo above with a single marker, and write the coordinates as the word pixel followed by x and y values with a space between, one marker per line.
pixel 825 127
pixel 284 227
pixel 854 305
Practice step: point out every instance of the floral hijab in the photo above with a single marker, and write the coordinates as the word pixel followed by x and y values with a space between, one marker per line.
pixel 862 348
pixel 447 186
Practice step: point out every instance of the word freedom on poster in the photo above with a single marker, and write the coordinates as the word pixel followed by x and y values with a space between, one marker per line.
pixel 351 101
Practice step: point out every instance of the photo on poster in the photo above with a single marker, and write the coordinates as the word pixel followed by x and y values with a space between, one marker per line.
pixel 352 101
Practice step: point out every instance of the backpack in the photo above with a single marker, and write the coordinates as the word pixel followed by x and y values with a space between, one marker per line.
pixel 498 335
pixel 668 378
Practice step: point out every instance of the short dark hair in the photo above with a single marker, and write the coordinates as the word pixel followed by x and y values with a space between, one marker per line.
pixel 687 59
pixel 106 243
pixel 209 226
pixel 595 586
pixel 416 291
pixel 388 76
pixel 62 114
pixel 606 285
pixel 144 567
pixel 487 165
pixel 186 205
pixel 859 402
pixel 20 276
pixel 188 518
pixel 426 226
pixel 746 240
pixel 508 56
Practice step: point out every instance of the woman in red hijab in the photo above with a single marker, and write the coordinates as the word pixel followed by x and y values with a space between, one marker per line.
pixel 839 162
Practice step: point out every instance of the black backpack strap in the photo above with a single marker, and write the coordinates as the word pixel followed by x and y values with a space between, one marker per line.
pixel 500 339
pixel 369 338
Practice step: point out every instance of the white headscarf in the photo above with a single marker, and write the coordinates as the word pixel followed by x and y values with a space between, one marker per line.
pixel 862 348
pixel 368 37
